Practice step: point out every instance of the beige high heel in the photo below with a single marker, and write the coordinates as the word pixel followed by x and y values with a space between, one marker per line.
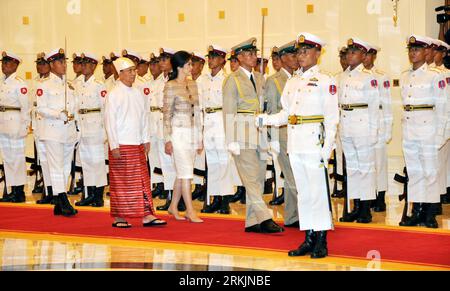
pixel 177 216
pixel 194 220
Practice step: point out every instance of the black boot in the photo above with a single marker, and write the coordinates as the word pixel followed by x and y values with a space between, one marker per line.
pixel 320 248
pixel 47 196
pixel 352 216
pixel 268 186
pixel 306 247
pixel 19 194
pixel 243 198
pixel 157 191
pixel 98 197
pixel 8 197
pixel 63 206
pixel 164 194
pixel 437 208
pixel 198 192
pixel 279 200
pixel 417 217
pixel 79 188
pixel 87 201
pixel 364 215
pixel 430 215
pixel 181 205
pixel 240 191
pixel 214 206
pixel 380 204
pixel 167 204
pixel 225 205
pixel 445 199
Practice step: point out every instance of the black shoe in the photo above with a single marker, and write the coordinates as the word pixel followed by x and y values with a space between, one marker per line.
pixel 306 247
pixel 268 186
pixel 437 208
pixel 7 197
pixel 364 215
pixel 320 249
pixel 166 205
pixel 295 224
pixel 213 207
pixel 380 204
pixel 224 206
pixel 18 194
pixel 198 192
pixel 254 228
pixel 352 216
pixel 47 198
pixel 446 198
pixel 417 217
pixel 157 191
pixel 63 206
pixel 278 200
pixel 87 201
pixel 269 226
pixel 430 216
pixel 240 192
pixel 98 197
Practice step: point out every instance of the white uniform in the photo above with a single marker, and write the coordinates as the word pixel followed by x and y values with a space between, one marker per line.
pixel 200 159
pixel 14 120
pixel 339 151
pixel 385 129
pixel 221 167
pixel 37 124
pixel 312 93
pixel 90 103
pixel 359 130
pixel 59 137
pixel 423 131
pixel 110 83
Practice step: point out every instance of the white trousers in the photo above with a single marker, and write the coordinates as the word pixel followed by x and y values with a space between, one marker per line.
pixel 443 160
pixel 59 156
pixel 153 157
pixel 199 164
pixel 381 165
pixel 421 159
pixel 13 153
pixel 167 166
pixel 220 172
pixel 313 197
pixel 92 159
pixel 360 162
pixel 42 156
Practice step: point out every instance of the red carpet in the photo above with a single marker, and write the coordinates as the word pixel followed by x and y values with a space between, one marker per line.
pixel 393 245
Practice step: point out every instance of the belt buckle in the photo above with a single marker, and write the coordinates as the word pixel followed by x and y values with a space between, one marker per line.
pixel 83 111
pixel 2 109
pixel 209 110
pixel 293 119
pixel 409 108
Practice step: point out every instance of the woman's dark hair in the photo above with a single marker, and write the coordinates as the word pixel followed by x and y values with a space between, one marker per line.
pixel 178 60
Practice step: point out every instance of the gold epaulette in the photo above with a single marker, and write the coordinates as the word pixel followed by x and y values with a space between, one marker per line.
pixel 44 79
pixel 437 70
pixel 366 71
pixel 99 81
pixel 19 79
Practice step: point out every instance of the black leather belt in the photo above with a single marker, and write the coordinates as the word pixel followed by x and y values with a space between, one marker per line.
pixel 351 107
pixel 9 108
pixel 418 107
pixel 86 111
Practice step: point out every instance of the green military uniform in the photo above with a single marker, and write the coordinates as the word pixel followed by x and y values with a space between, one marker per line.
pixel 273 90
pixel 241 102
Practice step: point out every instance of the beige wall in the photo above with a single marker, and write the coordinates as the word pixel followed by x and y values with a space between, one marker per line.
pixel 102 26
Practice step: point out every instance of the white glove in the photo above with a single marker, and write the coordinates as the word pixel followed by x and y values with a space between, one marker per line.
pixel 274 147
pixel 63 116
pixel 326 154
pixel 261 120
pixel 234 148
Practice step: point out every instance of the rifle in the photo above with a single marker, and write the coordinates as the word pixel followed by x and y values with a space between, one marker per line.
pixel 3 179
pixel 344 186
pixel 322 143
pixel 404 196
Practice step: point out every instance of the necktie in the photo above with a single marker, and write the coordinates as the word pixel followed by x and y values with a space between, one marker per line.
pixel 253 81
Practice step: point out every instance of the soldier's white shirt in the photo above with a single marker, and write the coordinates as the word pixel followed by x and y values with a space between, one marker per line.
pixel 14 93
pixel 142 85
pixel 36 119
pixel 51 101
pixel 424 86
pixel 447 78
pixel 110 83
pixel 359 86
pixel 310 93
pixel 91 95
pixel 210 89
pixel 75 83
pixel 126 118
pixel 156 96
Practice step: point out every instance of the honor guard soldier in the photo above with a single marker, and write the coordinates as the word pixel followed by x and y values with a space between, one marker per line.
pixel 142 69
pixel 14 122
pixel 90 103
pixel 43 69
pixel 310 109
pixel 441 53
pixel 242 91
pixel 275 85
pixel 359 108
pixel 276 61
pixel 264 66
pixel 110 72
pixel 385 127
pixel 424 98
pixel 155 69
pixel 234 62
pixel 57 105
pixel 77 62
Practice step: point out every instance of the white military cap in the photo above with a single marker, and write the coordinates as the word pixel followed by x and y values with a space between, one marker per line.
pixel 199 56
pixel 123 63
pixel 418 40
pixel 131 54
pixel 55 54
pixel 217 50
pixel 374 48
pixel 166 51
pixel 442 45
pixel 10 55
pixel 89 58
pixel 306 38
pixel 358 43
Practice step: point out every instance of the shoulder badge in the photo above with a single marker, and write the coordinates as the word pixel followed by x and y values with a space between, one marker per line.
pixel 374 83
pixel 39 92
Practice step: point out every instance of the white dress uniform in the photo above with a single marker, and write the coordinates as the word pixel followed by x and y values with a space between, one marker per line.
pixel 424 119
pixel 310 100
pixel 385 129
pixel 339 151
pixel 59 137
pixel 110 83
pixel 14 120
pixel 220 165
pixel 200 159
pixel 90 103
pixel 359 110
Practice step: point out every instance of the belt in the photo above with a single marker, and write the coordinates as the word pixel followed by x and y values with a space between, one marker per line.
pixel 154 109
pixel 9 108
pixel 248 112
pixel 298 119
pixel 212 109
pixel 418 107
pixel 85 111
pixel 350 107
